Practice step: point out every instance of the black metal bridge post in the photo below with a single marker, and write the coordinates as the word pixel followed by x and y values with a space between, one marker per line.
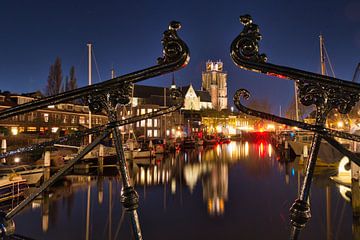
pixel 326 93
pixel 109 101
pixel 105 95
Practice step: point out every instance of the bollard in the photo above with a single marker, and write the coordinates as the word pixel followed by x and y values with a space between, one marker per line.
pixel 305 151
pixel 3 149
pixel 3 145
pixel 47 159
pixel 101 150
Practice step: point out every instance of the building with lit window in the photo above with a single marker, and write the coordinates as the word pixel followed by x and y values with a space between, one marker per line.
pixel 55 119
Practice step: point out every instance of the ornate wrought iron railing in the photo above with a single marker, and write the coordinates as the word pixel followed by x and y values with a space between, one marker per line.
pixel 105 96
pixel 326 93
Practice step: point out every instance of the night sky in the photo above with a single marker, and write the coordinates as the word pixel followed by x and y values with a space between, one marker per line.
pixel 127 35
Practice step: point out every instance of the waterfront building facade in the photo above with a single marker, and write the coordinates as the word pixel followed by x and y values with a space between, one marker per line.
pixel 55 119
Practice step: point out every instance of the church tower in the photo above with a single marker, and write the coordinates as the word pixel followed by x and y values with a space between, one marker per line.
pixel 214 80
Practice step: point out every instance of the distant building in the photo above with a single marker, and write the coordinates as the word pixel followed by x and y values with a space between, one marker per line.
pixel 147 99
pixel 214 81
pixel 54 119
pixel 196 99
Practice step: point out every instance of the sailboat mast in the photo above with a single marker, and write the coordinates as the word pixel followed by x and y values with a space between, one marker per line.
pixel 322 56
pixel 89 45
pixel 296 102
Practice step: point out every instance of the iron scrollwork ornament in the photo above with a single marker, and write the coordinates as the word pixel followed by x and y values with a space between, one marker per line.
pixel 326 93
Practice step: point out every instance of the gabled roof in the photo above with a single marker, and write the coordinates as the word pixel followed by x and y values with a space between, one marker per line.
pixel 155 95
pixel 204 96
pixel 143 91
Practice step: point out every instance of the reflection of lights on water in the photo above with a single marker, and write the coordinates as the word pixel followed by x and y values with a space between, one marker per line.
pixel 231 148
pixel 35 205
pixel 148 176
pixel 199 156
pixel 269 149
pixel 185 157
pixel 173 186
pixel 218 149
pixel 191 174
pixel 292 172
pixel 45 223
pixel 261 150
pixel 343 190
pixel 216 206
pixel 142 175
pixel 246 149
pixel 163 176
pixel 100 197
pixel 156 177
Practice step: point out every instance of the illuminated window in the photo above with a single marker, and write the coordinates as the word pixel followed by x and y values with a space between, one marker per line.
pixel 155 133
pixel 149 133
pixel 155 122
pixel 143 111
pixel 149 122
pixel 31 129
pixel 46 117
pixel 149 110
pixel 142 124
pixel 82 120
pixel 137 124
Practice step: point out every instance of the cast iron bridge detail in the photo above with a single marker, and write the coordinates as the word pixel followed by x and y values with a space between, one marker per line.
pixel 104 96
pixel 326 93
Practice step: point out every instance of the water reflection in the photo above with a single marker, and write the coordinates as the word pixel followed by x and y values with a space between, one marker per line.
pixel 231 184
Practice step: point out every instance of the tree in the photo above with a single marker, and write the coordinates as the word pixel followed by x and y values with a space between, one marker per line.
pixel 70 83
pixel 72 80
pixel 54 82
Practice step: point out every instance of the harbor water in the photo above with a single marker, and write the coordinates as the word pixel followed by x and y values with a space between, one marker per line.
pixel 240 190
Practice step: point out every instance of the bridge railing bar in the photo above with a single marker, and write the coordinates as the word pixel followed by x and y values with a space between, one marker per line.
pixel 106 96
pixel 326 93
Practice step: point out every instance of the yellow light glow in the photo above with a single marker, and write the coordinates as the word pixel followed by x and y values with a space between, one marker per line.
pixel 246 128
pixel 269 149
pixel 270 127
pixel 173 186
pixel 246 149
pixel 232 130
pixel 54 129
pixel 14 131
pixel 340 124
pixel 17 159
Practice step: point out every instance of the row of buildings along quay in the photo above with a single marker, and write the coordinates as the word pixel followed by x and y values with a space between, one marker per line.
pixel 205 111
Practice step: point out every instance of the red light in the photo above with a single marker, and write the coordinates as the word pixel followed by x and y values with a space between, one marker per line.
pixel 277 75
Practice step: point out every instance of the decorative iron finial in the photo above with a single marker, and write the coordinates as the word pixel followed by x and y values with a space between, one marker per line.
pixel 173 47
pixel 246 45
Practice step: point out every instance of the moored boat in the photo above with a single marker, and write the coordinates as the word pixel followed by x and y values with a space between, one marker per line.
pixel 12 187
pixel 32 174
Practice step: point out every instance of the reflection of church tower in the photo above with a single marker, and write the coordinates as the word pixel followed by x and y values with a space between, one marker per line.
pixel 215 188
pixel 214 81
